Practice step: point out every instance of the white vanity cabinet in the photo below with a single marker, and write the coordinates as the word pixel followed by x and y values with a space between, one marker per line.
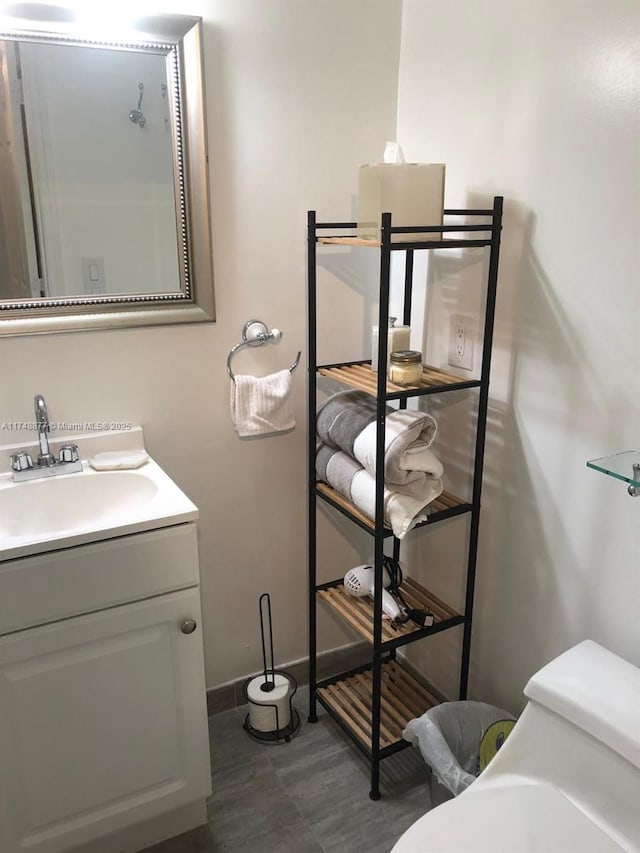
pixel 103 724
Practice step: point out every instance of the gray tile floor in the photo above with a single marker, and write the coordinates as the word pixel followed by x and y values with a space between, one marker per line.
pixel 307 796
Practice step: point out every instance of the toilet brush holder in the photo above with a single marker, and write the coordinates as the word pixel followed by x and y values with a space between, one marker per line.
pixel 272 717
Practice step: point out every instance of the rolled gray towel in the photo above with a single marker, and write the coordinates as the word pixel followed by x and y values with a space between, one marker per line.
pixel 347 420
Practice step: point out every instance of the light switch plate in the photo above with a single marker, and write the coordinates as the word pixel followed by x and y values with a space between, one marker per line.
pixel 93 277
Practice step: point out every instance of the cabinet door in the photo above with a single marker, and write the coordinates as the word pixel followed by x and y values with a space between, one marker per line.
pixel 102 723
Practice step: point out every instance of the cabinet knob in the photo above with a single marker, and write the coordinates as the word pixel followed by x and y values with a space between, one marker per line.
pixel 188 626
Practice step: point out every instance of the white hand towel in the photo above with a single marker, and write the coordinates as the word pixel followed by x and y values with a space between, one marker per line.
pixel 262 405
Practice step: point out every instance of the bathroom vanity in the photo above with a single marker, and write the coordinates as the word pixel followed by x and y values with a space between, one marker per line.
pixel 103 724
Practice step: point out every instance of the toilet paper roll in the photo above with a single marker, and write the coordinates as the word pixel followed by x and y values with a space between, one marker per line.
pixel 261 717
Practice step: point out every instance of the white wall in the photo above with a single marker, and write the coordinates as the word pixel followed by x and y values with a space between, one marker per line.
pixel 298 94
pixel 538 101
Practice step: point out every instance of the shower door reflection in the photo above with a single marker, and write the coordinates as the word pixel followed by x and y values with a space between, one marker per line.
pixel 87 158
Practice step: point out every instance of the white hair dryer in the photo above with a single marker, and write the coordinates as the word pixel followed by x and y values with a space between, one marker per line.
pixel 360 582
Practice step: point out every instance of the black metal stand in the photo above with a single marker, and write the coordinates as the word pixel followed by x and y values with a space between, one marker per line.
pixel 367 729
pixel 280 733
pixel 269 673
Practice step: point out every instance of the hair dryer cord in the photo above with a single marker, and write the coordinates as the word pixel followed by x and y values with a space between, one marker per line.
pixel 422 618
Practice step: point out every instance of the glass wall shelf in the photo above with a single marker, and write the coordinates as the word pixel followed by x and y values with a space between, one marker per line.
pixel 623 466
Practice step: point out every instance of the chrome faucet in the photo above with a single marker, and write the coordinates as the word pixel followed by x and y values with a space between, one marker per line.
pixel 22 466
pixel 45 458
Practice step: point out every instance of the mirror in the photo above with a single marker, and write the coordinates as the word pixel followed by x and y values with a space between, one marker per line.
pixel 104 212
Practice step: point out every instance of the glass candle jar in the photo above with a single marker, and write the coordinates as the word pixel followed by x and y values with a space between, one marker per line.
pixel 405 367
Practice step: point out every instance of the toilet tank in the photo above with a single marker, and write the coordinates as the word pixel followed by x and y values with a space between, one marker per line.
pixel 580 731
pixel 595 690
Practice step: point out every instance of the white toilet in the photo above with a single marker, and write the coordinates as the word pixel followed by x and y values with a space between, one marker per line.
pixel 568 778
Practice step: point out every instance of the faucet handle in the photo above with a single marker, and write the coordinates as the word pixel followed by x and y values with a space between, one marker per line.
pixel 21 461
pixel 69 453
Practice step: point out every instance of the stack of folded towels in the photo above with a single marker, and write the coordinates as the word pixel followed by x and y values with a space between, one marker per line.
pixel 346 458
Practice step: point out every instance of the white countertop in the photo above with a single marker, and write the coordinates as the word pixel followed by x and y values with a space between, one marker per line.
pixel 48 514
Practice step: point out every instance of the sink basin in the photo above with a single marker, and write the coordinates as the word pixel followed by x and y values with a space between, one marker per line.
pixel 70 509
pixel 44 507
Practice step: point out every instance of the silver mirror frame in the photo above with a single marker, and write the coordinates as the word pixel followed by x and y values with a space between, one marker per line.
pixel 195 303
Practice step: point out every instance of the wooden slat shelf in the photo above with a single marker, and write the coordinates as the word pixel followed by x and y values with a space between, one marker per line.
pixel 359 375
pixel 403 698
pixel 350 241
pixel 431 240
pixel 358 612
pixel 446 503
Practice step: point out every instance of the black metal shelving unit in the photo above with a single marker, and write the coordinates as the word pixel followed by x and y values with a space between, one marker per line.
pixel 373 703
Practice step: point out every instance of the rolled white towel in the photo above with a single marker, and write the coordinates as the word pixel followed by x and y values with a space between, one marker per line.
pixel 417 457
pixel 402 511
pixel 406 442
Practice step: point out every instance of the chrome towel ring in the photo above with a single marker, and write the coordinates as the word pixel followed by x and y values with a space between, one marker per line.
pixel 255 334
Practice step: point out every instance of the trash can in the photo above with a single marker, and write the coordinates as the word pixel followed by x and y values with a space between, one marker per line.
pixel 459 739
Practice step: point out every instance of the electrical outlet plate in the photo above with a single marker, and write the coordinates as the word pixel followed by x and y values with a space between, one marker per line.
pixel 461 341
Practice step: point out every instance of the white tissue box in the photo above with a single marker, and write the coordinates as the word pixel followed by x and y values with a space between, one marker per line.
pixel 412 192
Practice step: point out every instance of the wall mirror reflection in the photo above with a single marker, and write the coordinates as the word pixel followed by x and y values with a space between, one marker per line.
pixel 104 215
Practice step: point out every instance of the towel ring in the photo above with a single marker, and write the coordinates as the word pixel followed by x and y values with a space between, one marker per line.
pixel 255 334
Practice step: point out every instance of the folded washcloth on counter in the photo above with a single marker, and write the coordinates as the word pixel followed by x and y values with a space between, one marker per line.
pixel 404 506
pixel 262 405
pixel 347 421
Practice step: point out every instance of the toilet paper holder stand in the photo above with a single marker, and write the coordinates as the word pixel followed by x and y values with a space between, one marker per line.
pixel 281 717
